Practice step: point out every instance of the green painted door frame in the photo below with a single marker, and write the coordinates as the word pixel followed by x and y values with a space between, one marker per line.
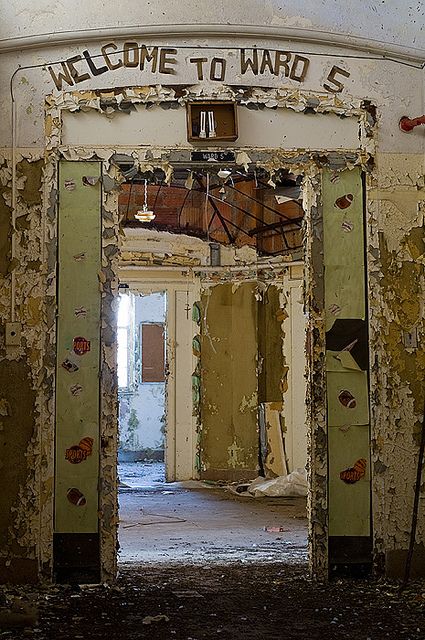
pixel 76 521
pixel 347 379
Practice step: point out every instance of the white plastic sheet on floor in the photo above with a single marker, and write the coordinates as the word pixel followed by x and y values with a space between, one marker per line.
pixel 292 485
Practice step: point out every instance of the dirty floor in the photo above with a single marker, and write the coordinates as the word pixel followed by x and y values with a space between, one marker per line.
pixel 255 601
pixel 192 522
pixel 196 563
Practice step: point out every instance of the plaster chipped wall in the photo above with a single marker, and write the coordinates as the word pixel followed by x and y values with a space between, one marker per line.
pixel 108 282
pixel 396 298
pixel 229 396
pixel 40 239
pixel 317 499
pixel 25 394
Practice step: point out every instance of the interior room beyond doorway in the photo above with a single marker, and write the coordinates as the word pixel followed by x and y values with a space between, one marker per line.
pixel 141 377
pixel 234 334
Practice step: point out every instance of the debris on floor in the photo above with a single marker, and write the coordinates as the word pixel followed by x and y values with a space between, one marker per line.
pixel 152 519
pixel 159 618
pixel 292 485
pixel 254 602
pixel 16 612
pixel 198 524
pixel 187 593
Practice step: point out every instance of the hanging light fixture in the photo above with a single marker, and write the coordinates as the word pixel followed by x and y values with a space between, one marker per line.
pixel 144 214
pixel 223 174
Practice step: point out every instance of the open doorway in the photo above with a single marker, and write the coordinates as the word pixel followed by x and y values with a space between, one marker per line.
pixel 141 380
pixel 335 292
pixel 226 247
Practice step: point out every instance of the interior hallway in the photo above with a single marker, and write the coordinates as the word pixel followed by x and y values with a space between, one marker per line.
pixel 193 522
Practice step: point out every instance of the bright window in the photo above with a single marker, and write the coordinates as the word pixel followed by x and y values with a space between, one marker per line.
pixel 124 339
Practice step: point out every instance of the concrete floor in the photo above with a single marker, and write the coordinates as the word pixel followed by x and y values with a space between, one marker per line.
pixel 190 522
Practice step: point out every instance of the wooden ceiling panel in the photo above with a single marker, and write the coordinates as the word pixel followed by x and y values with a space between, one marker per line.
pixel 238 210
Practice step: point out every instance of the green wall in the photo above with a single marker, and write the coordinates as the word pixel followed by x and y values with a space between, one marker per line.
pixel 346 357
pixel 77 376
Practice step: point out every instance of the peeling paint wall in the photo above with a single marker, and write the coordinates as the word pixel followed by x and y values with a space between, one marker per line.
pixel 229 438
pixel 270 353
pixel 393 161
pixel 25 396
pixel 18 562
pixel 5 230
pixel 397 294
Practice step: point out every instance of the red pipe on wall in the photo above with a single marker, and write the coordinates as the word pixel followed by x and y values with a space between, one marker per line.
pixel 408 124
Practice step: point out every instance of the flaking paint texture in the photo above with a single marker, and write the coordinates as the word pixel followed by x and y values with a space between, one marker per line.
pixel 5 231
pixel 272 375
pixel 395 263
pixel 397 294
pixel 229 439
pixel 25 396
pixel 17 422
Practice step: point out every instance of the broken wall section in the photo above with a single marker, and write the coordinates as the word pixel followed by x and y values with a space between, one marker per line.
pixel 251 336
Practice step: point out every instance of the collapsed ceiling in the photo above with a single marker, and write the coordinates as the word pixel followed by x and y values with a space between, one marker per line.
pixel 222 204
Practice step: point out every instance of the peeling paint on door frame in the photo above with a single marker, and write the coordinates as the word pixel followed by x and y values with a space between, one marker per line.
pixel 37 531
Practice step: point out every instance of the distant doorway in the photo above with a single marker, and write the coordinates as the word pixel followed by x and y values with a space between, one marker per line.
pixel 141 377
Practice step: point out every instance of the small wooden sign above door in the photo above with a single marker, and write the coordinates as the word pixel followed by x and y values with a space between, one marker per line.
pixel 212 156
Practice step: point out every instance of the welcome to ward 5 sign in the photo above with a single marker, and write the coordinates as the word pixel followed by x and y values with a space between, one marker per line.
pixel 169 61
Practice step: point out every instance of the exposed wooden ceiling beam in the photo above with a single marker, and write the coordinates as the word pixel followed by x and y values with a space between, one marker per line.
pixel 276 225
pixel 265 206
pixel 216 211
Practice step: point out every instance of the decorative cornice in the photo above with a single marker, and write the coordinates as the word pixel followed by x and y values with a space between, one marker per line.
pixel 251 32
